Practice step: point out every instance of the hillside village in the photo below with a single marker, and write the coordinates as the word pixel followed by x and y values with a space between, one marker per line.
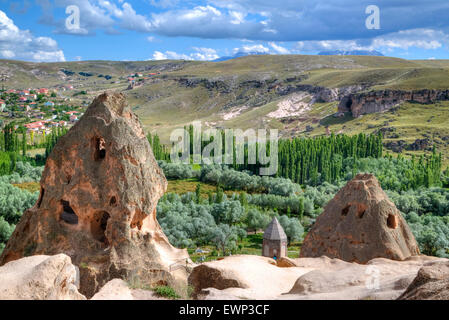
pixel 41 109
pixel 38 109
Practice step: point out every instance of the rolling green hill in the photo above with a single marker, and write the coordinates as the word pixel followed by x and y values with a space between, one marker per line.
pixel 297 94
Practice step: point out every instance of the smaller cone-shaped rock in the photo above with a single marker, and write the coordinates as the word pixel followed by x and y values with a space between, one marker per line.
pixel 359 224
pixel 97 203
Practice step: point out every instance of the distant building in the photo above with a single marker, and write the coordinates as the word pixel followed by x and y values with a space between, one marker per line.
pixel 274 240
pixel 43 91
pixel 49 104
pixel 35 126
pixel 2 105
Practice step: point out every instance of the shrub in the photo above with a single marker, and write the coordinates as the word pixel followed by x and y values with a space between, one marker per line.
pixel 167 292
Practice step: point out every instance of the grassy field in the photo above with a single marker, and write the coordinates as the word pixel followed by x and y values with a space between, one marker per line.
pixel 29 186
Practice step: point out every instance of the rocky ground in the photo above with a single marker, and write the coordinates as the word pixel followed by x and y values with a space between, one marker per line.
pixel 245 277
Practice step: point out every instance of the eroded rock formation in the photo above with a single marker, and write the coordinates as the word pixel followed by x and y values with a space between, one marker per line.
pixel 379 101
pixel 97 203
pixel 359 224
pixel 40 278
pixel 431 283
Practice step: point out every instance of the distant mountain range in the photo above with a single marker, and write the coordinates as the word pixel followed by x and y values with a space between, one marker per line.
pixel 322 53
pixel 239 55
pixel 351 53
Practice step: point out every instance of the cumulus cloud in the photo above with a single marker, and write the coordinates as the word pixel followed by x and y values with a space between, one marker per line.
pixel 258 20
pixel 292 20
pixel 96 15
pixel 23 45
pixel 200 54
pixel 279 49
pixel 255 48
pixel 418 38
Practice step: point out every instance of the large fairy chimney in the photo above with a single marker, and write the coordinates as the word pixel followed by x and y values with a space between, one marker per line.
pixel 359 224
pixel 97 203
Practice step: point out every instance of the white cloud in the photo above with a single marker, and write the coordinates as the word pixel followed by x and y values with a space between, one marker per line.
pixel 151 39
pixel 170 55
pixel 204 54
pixel 7 54
pixel 237 17
pixel 257 48
pixel 21 44
pixel 417 38
pixel 200 54
pixel 279 49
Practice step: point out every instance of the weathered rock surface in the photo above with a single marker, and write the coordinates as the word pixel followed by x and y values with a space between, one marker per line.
pixel 285 262
pixel 118 289
pixel 379 101
pixel 97 203
pixel 243 276
pixel 359 224
pixel 39 278
pixel 252 277
pixel 431 283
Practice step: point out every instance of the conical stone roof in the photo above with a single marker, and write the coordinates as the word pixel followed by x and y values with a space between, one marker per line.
pixel 274 231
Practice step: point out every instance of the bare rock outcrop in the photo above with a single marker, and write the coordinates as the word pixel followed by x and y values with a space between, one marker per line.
pixel 379 101
pixel 359 224
pixel 323 278
pixel 431 283
pixel 117 289
pixel 243 276
pixel 39 278
pixel 97 203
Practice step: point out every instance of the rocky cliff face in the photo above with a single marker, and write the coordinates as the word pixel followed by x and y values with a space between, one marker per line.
pixel 359 224
pixel 379 101
pixel 257 92
pixel 97 203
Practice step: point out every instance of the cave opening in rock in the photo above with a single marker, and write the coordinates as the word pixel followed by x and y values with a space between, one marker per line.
pixel 68 215
pixel 345 210
pixel 113 201
pixel 361 213
pixel 41 197
pixel 98 226
pixel 100 149
pixel 392 221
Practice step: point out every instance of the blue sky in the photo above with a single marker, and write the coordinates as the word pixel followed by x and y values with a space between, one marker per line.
pixel 35 30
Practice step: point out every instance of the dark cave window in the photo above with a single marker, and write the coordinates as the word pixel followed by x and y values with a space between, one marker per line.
pixel 361 214
pixel 41 197
pixel 345 210
pixel 68 215
pixel 100 149
pixel 113 201
pixel 98 226
pixel 392 221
